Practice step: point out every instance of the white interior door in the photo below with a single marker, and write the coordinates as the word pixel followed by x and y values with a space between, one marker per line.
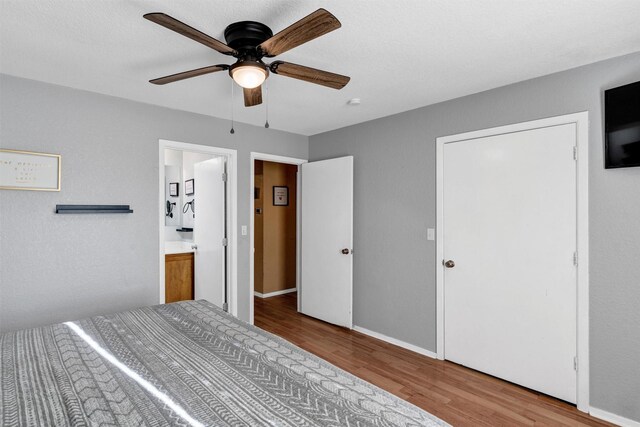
pixel 208 231
pixel 327 239
pixel 510 228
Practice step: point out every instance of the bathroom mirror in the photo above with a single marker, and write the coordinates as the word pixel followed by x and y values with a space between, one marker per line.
pixel 173 203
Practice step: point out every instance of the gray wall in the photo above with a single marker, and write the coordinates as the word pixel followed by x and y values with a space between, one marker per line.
pixel 394 264
pixel 62 267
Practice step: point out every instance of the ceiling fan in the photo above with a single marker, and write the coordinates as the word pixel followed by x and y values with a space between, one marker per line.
pixel 249 42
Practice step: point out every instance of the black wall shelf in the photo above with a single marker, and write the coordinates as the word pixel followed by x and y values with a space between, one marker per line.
pixel 92 209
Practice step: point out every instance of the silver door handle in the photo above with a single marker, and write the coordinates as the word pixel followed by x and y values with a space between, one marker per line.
pixel 346 251
pixel 449 264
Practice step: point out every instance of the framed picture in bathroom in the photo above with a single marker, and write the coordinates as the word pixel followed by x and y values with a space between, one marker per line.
pixel 189 187
pixel 173 189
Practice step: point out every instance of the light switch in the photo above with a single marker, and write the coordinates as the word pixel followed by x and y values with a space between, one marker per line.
pixel 431 234
pixel 244 230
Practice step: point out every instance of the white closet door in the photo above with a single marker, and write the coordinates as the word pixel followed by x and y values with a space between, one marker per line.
pixel 510 230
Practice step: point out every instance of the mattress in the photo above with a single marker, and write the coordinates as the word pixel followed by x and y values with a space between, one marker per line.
pixel 187 363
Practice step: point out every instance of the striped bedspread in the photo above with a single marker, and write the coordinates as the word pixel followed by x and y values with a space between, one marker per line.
pixel 186 363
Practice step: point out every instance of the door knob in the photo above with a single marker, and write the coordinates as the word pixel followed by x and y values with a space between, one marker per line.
pixel 345 251
pixel 449 264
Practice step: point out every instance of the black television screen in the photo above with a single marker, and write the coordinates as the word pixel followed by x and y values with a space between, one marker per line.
pixel 622 126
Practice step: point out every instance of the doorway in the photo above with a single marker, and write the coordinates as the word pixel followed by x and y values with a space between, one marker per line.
pixel 324 253
pixel 274 226
pixel 197 244
pixel 512 276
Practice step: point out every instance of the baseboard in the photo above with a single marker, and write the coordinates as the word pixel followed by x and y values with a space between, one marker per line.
pixel 394 341
pixel 613 418
pixel 275 294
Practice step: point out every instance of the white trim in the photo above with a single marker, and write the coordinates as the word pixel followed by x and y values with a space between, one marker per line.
pixel 274 294
pixel 395 341
pixel 277 159
pixel 613 418
pixel 582 200
pixel 439 250
pixel 299 237
pixel 232 209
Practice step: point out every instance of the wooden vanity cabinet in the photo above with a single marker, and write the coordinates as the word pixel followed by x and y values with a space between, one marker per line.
pixel 179 277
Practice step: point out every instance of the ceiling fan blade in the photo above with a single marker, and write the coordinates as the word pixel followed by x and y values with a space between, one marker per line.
pixel 308 74
pixel 187 31
pixel 252 96
pixel 188 74
pixel 308 28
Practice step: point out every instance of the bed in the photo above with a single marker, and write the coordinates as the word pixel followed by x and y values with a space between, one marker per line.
pixel 186 363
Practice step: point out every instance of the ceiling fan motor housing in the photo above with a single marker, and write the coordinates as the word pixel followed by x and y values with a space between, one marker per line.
pixel 246 35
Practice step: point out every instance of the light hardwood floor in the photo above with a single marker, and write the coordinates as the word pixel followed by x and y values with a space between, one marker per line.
pixel 458 395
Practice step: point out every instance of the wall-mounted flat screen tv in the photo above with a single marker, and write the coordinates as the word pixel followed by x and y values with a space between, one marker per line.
pixel 622 126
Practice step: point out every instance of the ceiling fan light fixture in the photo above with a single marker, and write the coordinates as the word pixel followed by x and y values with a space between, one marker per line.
pixel 248 74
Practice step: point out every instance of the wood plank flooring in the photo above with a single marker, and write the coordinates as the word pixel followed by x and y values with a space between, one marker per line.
pixel 458 395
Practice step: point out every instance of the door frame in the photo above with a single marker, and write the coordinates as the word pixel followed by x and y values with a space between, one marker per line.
pixel 581 120
pixel 276 159
pixel 231 157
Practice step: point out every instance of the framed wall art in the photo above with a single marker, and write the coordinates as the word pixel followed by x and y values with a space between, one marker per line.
pixel 280 196
pixel 173 189
pixel 27 170
pixel 189 187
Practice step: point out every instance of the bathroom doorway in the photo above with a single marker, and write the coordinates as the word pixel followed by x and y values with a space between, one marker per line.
pixel 196 245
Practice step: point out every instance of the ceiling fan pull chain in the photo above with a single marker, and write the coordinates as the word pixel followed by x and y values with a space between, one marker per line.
pixel 266 87
pixel 232 131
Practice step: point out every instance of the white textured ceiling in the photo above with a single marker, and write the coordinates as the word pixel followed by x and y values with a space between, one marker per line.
pixel 400 54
